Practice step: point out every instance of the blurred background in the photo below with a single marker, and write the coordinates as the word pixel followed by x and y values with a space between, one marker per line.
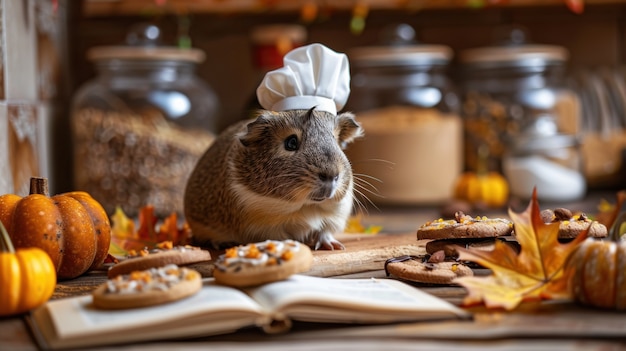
pixel 120 97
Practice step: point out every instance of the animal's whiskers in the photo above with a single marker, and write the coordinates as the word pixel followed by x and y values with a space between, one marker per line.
pixel 363 187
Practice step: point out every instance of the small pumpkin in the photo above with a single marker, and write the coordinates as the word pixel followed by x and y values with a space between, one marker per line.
pixel 72 228
pixel 598 274
pixel 490 189
pixel 482 187
pixel 27 277
pixel 597 269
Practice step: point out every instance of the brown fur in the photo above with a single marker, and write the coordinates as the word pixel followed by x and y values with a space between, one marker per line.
pixel 247 187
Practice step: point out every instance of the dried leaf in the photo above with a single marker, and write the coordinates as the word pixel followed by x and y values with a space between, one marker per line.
pixel 535 273
pixel 608 212
pixel 124 237
pixel 355 225
pixel 121 225
pixel 147 223
pixel 169 231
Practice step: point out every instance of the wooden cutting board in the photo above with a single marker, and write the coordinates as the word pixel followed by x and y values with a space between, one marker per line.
pixel 364 253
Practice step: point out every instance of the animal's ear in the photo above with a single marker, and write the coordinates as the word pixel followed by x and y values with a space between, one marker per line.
pixel 256 130
pixel 349 128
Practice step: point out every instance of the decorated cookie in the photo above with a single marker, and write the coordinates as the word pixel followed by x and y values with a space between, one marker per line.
pixel 263 262
pixel 464 226
pixel 164 254
pixel 414 268
pixel 570 225
pixel 147 287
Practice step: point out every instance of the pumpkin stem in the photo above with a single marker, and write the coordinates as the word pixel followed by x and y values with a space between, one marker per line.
pixel 39 186
pixel 5 241
pixel 618 218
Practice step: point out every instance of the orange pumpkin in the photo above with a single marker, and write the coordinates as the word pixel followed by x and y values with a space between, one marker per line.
pixel 598 274
pixel 482 187
pixel 490 189
pixel 27 277
pixel 72 228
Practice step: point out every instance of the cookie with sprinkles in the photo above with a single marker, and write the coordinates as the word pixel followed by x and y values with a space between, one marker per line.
pixel 164 253
pixel 464 226
pixel 149 287
pixel 414 268
pixel 571 225
pixel 262 262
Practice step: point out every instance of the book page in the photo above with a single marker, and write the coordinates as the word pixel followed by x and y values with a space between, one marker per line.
pixel 352 300
pixel 213 309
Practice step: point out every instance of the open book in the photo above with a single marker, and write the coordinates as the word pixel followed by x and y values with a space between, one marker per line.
pixel 216 309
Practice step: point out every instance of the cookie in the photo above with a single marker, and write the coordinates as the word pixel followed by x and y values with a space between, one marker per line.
pixel 149 287
pixel 412 268
pixel 485 244
pixel 263 262
pixel 571 225
pixel 162 255
pixel 464 226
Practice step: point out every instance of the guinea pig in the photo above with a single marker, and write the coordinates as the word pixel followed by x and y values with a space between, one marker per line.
pixel 283 175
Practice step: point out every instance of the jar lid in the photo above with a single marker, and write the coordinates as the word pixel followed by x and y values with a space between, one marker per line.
pixel 401 55
pixel 398 46
pixel 515 55
pixel 143 43
pixel 157 53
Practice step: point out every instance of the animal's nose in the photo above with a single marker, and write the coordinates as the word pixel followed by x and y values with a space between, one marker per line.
pixel 327 177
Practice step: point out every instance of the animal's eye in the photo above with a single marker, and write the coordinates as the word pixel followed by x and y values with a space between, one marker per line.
pixel 291 143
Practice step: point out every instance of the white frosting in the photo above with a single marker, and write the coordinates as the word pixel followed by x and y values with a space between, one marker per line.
pixel 153 279
pixel 234 260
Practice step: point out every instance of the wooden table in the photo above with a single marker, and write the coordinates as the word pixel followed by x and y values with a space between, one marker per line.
pixel 535 326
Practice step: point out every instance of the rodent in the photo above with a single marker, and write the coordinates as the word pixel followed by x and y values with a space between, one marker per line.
pixel 283 175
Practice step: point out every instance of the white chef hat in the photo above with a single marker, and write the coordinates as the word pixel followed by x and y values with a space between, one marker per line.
pixel 312 75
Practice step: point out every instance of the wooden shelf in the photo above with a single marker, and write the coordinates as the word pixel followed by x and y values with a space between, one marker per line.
pixel 97 8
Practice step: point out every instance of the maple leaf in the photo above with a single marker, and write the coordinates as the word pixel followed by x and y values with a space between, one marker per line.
pixel 611 216
pixel 147 223
pixel 535 273
pixel 354 225
pixel 122 233
pixel 124 237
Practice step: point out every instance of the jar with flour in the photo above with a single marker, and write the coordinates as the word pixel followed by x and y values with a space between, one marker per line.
pixel 412 149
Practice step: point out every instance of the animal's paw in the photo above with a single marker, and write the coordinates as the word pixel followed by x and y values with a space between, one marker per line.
pixel 327 241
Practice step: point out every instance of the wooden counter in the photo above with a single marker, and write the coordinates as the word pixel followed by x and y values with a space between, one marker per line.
pixel 536 326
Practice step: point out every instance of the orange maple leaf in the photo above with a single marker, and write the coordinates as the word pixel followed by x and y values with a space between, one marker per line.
pixel 535 273
pixel 147 224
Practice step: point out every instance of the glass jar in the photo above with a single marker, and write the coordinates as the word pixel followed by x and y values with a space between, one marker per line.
pixel 412 149
pixel 141 124
pixel 512 88
pixel 517 105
